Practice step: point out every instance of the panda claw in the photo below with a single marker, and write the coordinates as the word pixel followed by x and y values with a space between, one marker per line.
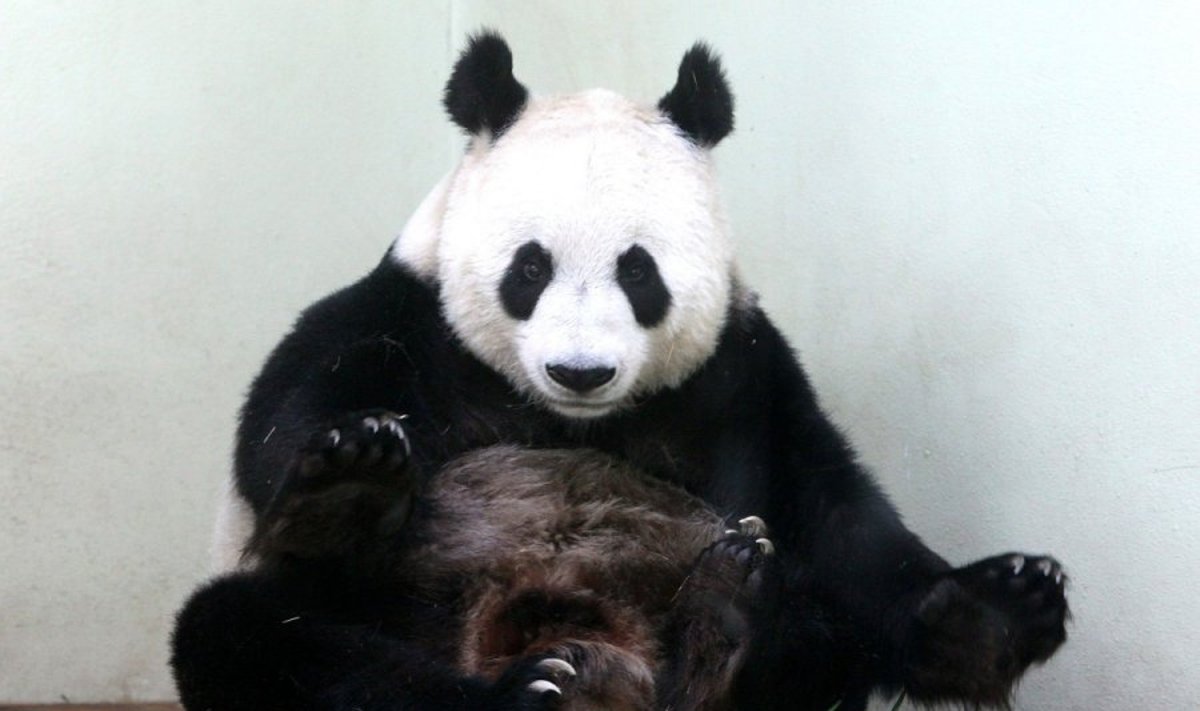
pixel 557 666
pixel 542 686
pixel 407 442
pixel 753 526
pixel 765 546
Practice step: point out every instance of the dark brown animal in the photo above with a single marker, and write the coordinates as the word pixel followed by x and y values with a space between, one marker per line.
pixel 598 583
pixel 574 555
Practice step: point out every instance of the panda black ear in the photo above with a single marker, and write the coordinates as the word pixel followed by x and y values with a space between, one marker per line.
pixel 482 92
pixel 700 103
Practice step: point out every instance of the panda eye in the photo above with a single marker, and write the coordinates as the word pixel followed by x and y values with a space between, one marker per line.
pixel 633 274
pixel 532 272
pixel 527 276
pixel 638 277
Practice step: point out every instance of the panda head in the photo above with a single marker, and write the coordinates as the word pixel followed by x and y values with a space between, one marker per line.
pixel 579 247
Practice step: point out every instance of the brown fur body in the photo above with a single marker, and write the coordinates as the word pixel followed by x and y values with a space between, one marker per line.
pixel 574 555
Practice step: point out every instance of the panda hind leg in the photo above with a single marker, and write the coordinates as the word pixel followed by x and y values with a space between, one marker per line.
pixel 708 633
pixel 254 641
pixel 981 626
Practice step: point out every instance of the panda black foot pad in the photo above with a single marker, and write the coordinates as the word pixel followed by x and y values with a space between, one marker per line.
pixel 370 444
pixel 532 684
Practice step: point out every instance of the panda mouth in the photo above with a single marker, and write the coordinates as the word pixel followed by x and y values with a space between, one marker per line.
pixel 584 406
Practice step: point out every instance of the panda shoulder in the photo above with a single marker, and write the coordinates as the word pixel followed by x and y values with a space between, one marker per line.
pixel 390 297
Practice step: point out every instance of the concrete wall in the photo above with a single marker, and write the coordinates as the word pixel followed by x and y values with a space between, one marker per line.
pixel 177 180
pixel 979 223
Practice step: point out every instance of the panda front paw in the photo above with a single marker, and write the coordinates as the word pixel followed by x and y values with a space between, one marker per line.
pixel 717 610
pixel 533 684
pixel 369 445
pixel 736 563
pixel 352 483
pixel 727 578
pixel 981 626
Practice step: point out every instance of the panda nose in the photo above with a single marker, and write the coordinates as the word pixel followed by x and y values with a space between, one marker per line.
pixel 580 380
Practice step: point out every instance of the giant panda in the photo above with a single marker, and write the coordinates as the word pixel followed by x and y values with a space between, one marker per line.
pixel 571 285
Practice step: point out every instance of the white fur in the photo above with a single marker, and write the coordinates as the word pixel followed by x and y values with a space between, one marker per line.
pixel 417 244
pixel 587 176
pixel 231 531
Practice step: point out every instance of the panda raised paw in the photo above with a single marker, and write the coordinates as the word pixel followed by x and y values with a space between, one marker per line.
pixel 714 615
pixel 350 485
pixel 732 568
pixel 370 444
pixel 736 563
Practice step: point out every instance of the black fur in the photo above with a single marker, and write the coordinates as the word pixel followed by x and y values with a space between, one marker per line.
pixel 482 93
pixel 637 274
pixel 700 103
pixel 864 604
pixel 527 277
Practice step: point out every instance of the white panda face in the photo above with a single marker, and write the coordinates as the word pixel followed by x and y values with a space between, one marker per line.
pixel 579 247
pixel 583 254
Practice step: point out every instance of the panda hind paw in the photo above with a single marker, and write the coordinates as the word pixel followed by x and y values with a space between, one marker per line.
pixel 979 627
pixel 1030 593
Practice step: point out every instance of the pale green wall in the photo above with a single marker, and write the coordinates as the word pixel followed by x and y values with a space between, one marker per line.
pixel 177 180
pixel 979 223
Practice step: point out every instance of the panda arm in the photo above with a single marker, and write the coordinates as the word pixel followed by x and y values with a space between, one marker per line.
pixel 360 349
pixel 826 511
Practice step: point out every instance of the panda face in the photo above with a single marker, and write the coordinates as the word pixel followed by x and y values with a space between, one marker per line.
pixel 583 253
pixel 583 333
pixel 579 247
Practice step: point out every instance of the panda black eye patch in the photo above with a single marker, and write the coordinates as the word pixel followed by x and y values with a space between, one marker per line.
pixel 527 276
pixel 637 273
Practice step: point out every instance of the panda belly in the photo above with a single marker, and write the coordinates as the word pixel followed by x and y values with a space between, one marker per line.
pixel 560 552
